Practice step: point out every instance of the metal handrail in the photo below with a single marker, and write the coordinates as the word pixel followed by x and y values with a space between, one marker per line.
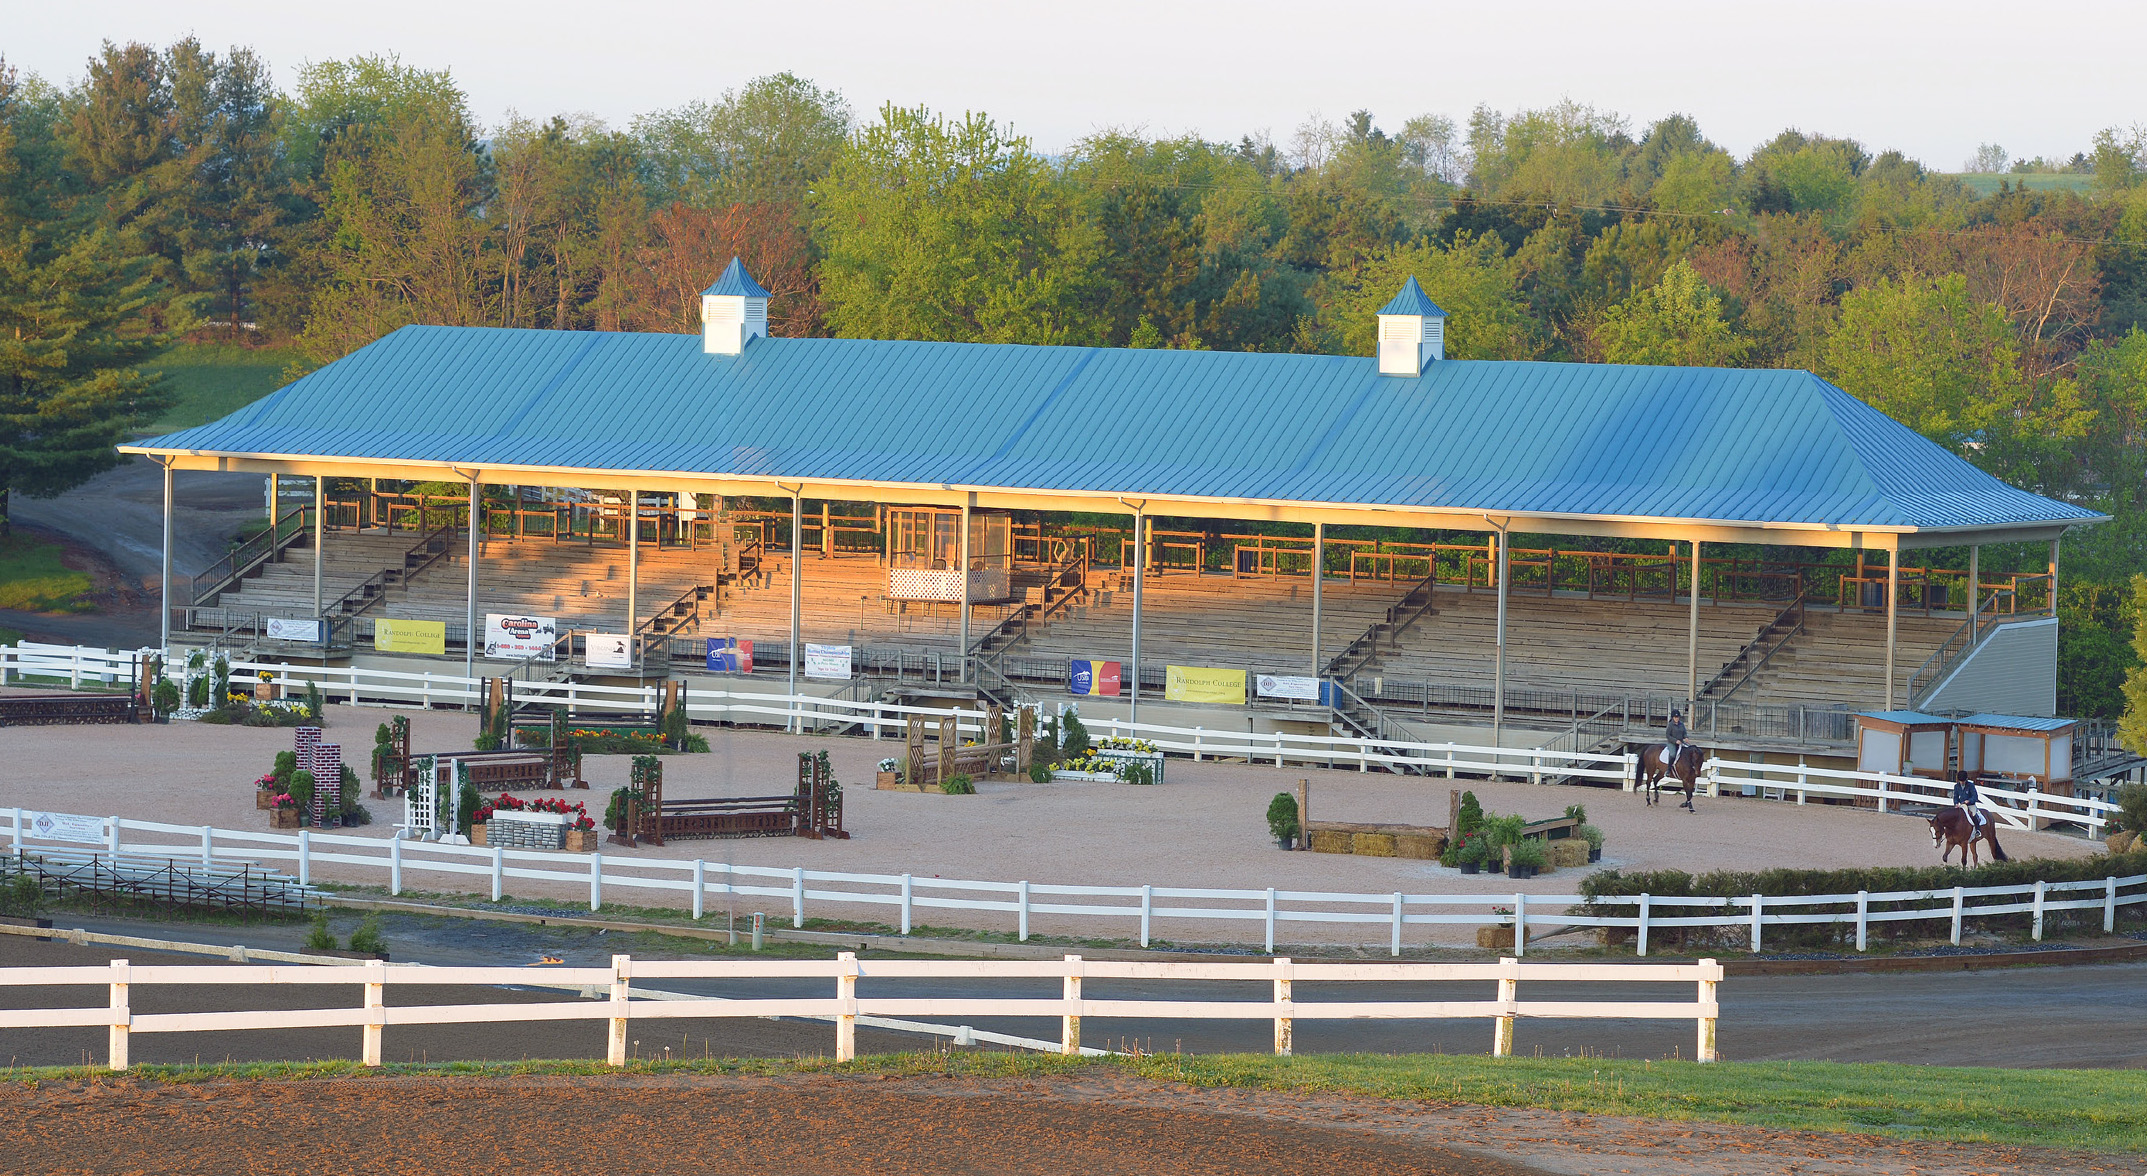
pixel 1956 646
pixel 249 555
pixel 1795 607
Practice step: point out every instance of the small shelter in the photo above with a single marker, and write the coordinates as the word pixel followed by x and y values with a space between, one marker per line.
pixel 2019 747
pixel 1904 743
pixel 925 554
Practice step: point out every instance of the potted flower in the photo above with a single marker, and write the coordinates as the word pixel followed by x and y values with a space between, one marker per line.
pixel 1475 850
pixel 581 835
pixel 1526 858
pixel 888 776
pixel 1594 837
pixel 265 790
pixel 283 811
pixel 1282 819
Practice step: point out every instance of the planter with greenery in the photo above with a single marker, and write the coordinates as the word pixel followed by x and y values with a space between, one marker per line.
pixel 1282 822
pixel 1527 858
pixel 960 785
pixel 1594 838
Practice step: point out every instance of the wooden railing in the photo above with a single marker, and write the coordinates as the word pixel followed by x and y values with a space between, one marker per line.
pixel 247 556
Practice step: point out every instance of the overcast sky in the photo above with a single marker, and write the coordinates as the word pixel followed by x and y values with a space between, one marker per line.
pixel 1932 79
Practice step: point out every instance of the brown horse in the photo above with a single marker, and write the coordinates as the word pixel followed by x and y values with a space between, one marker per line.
pixel 1685 771
pixel 1951 828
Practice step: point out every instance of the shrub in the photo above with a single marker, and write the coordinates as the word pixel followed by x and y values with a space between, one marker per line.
pixel 286 763
pixel 21 896
pixel 466 803
pixel 615 812
pixel 960 785
pixel 1502 831
pixel 1074 740
pixel 164 698
pixel 315 704
pixel 1046 750
pixel 1040 772
pixel 320 938
pixel 367 938
pixel 1475 850
pixel 674 726
pixel 1471 816
pixel 1593 836
pixel 222 691
pixel 2132 808
pixel 1575 812
pixel 1528 851
pixel 1282 816
pixel 1136 773
pixel 302 789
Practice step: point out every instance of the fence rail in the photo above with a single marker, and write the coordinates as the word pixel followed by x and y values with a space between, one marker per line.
pixel 1113 910
pixel 845 1005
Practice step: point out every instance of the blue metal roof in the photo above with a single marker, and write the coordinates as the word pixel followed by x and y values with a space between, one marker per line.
pixel 1904 718
pixel 1567 439
pixel 735 281
pixel 2017 722
pixel 1411 299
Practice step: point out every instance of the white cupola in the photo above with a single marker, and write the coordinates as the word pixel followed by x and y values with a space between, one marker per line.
pixel 733 311
pixel 1412 332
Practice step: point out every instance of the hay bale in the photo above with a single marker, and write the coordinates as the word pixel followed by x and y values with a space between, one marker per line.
pixel 1372 844
pixel 1567 853
pixel 2123 841
pixel 1495 938
pixel 1425 846
pixel 1332 841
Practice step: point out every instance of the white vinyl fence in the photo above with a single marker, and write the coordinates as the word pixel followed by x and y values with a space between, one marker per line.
pixel 2013 809
pixel 1103 910
pixel 844 1005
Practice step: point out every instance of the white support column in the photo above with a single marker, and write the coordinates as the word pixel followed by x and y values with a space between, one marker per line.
pixel 797 598
pixel 1692 639
pixel 2053 577
pixel 274 486
pixel 164 631
pixel 962 546
pixel 471 634
pixel 1319 554
pixel 1893 617
pixel 320 541
pixel 633 575
pixel 1140 565
pixel 1498 673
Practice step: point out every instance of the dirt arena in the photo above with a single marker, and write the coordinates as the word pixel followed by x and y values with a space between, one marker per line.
pixel 1099 1123
pixel 1204 827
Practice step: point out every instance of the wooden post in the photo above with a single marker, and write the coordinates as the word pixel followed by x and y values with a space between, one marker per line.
pixel 375 999
pixel 950 742
pixel 621 971
pixel 1070 1020
pixel 1024 740
pixel 827 534
pixel 1284 1023
pixel 1508 991
pixel 914 756
pixel 1304 813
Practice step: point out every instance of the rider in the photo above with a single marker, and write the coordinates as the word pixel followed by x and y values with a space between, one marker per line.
pixel 1965 795
pixel 1674 737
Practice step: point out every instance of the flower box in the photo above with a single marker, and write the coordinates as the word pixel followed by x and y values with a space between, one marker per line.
pixel 581 841
pixel 283 818
pixel 885 780
pixel 264 798
pixel 1153 759
pixel 477 833
pixel 1099 777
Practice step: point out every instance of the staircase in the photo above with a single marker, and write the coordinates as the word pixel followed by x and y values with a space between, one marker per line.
pixel 1361 652
pixel 1756 653
pixel 1061 585
pixel 1365 721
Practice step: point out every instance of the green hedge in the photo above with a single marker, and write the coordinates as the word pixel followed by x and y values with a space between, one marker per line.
pixel 1785 883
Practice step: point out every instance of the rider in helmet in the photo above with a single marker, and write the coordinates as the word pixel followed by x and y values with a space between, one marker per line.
pixel 1965 795
pixel 1673 738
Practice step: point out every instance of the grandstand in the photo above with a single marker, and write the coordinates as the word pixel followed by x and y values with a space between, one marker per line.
pixel 1764 558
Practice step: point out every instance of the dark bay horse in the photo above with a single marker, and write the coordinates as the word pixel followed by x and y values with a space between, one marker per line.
pixel 1685 771
pixel 1951 828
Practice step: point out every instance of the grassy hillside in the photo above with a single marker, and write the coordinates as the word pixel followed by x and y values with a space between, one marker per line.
pixel 33 578
pixel 210 380
pixel 1984 185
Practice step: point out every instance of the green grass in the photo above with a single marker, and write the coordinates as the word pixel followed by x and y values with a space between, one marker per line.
pixel 33 579
pixel 2094 1110
pixel 1984 185
pixel 211 380
pixel 10 636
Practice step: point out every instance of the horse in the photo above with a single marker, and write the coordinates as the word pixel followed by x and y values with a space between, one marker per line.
pixel 1686 770
pixel 1951 828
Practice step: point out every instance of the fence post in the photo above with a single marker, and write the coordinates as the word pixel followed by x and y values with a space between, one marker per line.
pixel 1148 900
pixel 499 873
pixel 15 830
pixel 111 836
pixel 1509 985
pixel 376 975
pixel 905 903
pixel 1631 779
pixel 1270 920
pixel 845 1002
pixel 2040 886
pixel 1957 896
pixel 1278 749
pixel 2109 904
pixel 122 1016
pixel 208 838
pixel 1520 925
pixel 1070 1019
pixel 622 969
pixel 1757 901
pixel 1395 948
pixel 305 857
pixel 596 879
pixel 1710 977
pixel 395 865
pixel 1021 899
pixel 1882 792
pixel 1641 930
pixel 797 896
pixel 1284 1022
pixel 1196 743
pixel 1863 923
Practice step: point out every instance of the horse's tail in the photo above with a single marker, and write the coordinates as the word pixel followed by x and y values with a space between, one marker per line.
pixel 1990 833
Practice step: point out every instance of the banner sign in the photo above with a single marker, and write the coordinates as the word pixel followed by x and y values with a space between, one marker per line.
pixel 730 655
pixel 827 661
pixel 1295 688
pixel 286 629
pixel 65 827
pixel 393 635
pixel 1204 684
pixel 610 651
pixel 520 637
pixel 1093 677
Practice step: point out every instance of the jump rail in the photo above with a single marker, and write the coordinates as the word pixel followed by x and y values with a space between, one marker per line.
pixel 1118 908
pixel 845 1005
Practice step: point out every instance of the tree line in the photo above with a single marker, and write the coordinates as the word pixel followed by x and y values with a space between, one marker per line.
pixel 178 193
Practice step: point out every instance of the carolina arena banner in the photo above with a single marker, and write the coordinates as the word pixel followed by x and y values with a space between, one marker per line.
pixel 520 637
